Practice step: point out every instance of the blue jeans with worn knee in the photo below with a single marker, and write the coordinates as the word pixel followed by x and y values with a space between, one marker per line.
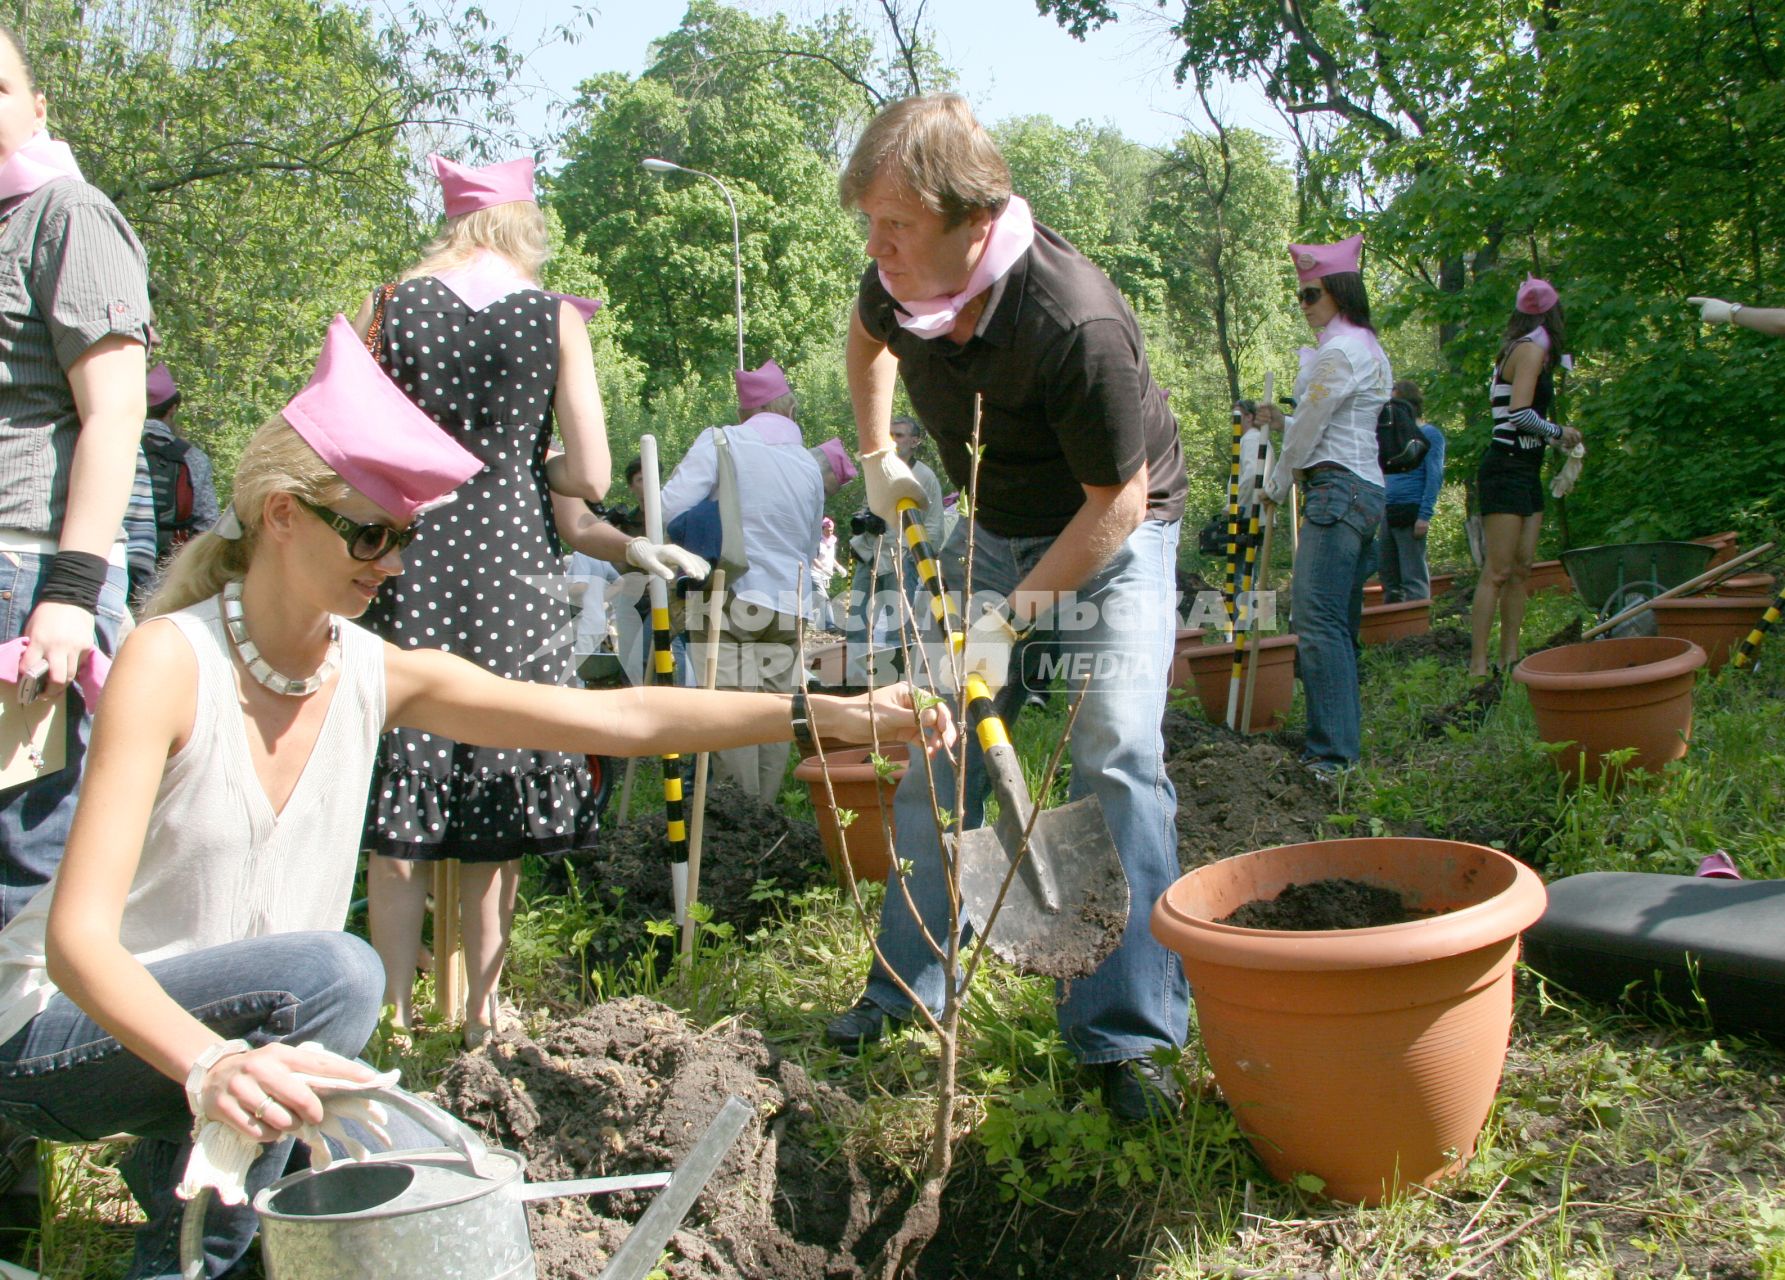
pixel 1340 512
pixel 1118 632
pixel 35 817
pixel 64 1078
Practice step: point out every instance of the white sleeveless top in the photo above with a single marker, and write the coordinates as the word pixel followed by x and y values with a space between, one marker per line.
pixel 217 865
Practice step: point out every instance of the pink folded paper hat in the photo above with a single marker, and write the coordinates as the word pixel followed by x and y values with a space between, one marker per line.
pixel 372 434
pixel 161 386
pixel 756 387
pixel 1718 866
pixel 1315 260
pixel 469 189
pixel 1535 296
pixel 838 457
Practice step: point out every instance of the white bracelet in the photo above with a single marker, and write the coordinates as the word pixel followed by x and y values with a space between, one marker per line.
pixel 201 1066
pixel 1735 309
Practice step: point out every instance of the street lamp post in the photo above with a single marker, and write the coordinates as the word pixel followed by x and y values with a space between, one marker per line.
pixel 654 165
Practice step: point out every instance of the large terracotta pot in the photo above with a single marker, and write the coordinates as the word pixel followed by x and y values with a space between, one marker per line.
pixel 1746 584
pixel 1724 542
pixel 1548 575
pixel 1209 667
pixel 859 788
pixel 1715 624
pixel 1367 1057
pixel 1372 594
pixel 1385 622
pixel 1606 695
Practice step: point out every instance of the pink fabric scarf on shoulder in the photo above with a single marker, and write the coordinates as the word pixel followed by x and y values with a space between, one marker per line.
pixel 1012 234
pixel 40 161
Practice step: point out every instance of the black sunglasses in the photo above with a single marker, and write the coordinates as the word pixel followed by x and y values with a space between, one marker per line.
pixel 1310 295
pixel 366 542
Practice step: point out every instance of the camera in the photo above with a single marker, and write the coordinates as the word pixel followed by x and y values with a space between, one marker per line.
pixel 865 521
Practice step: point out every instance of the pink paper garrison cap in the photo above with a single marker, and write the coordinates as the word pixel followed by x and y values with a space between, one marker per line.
pixel 467 189
pixel 756 387
pixel 1536 296
pixel 161 386
pixel 1315 260
pixel 838 457
pixel 372 434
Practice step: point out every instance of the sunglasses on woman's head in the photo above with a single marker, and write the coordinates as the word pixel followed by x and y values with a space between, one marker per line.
pixel 365 542
pixel 1310 295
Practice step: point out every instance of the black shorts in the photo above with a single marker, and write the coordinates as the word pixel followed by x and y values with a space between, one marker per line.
pixel 1510 486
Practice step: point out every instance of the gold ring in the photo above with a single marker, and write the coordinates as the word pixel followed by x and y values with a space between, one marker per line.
pixel 261 1110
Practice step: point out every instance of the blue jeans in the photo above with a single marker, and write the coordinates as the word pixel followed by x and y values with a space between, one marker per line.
pixel 1401 564
pixel 35 817
pixel 1340 512
pixel 1137 1000
pixel 64 1078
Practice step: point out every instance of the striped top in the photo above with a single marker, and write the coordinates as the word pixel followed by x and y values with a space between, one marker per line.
pixel 71 272
pixel 1526 432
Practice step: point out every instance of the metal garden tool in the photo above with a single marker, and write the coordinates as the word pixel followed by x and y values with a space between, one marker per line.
pixel 1045 889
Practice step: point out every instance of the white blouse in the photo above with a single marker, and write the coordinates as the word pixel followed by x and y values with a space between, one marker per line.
pixel 1345 380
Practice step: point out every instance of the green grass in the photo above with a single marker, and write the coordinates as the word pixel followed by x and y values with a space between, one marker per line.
pixel 1618 1147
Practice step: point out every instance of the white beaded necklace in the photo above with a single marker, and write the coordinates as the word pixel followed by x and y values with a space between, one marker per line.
pixel 237 629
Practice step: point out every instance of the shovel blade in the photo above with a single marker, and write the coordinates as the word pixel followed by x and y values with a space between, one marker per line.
pixel 1074 844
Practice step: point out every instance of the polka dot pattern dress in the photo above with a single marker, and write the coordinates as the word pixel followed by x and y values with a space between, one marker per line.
pixel 487 377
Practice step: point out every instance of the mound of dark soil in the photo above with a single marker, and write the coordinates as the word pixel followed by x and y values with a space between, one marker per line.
pixel 1237 793
pixel 629 1087
pixel 744 844
pixel 1323 904
pixel 1447 644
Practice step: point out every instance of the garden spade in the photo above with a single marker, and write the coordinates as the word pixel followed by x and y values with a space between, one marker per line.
pixel 1055 903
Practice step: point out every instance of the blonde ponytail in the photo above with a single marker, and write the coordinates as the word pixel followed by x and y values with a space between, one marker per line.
pixel 276 460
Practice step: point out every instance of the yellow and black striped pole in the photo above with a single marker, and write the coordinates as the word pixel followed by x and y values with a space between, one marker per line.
pixel 929 571
pixel 663 672
pixel 1245 576
pixel 1234 462
pixel 1744 652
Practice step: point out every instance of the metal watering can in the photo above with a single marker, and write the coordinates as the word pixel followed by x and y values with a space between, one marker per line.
pixel 454 1212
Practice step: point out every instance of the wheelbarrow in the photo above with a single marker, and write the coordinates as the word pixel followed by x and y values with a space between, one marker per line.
pixel 453 1212
pixel 1613 578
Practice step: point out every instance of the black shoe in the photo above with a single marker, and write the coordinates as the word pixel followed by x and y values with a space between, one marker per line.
pixel 1139 1090
pixel 863 1023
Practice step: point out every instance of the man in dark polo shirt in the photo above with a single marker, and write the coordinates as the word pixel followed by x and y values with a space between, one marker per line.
pixel 1080 494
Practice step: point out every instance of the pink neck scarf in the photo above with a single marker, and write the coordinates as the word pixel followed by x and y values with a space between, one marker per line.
pixel 1012 234
pixel 1540 336
pixel 489 277
pixel 1334 327
pixel 41 160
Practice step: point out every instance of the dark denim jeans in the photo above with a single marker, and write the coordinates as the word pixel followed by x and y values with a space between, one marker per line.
pixel 64 1078
pixel 34 818
pixel 1137 1000
pixel 1340 512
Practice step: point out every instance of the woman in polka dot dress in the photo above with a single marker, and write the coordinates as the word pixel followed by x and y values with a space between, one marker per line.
pixel 473 340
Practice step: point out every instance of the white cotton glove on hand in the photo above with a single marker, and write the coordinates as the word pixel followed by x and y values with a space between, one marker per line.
pixel 222 1153
pixel 1714 310
pixel 1563 481
pixel 889 482
pixel 665 559
pixel 989 642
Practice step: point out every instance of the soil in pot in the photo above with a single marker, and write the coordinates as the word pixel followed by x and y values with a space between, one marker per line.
pixel 1335 903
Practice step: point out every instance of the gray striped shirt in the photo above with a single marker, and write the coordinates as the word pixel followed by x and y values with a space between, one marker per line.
pixel 71 272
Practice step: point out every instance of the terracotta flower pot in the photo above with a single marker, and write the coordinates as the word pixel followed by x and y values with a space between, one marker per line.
pixel 1548 575
pixel 1715 624
pixel 859 788
pixel 1385 622
pixel 1372 594
pixel 1367 1057
pixel 1746 584
pixel 1606 695
pixel 1724 542
pixel 1441 584
pixel 1209 667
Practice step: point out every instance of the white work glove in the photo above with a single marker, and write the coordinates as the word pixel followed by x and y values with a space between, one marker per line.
pixel 890 481
pixel 1714 310
pixel 1563 481
pixel 222 1153
pixel 989 643
pixel 665 559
